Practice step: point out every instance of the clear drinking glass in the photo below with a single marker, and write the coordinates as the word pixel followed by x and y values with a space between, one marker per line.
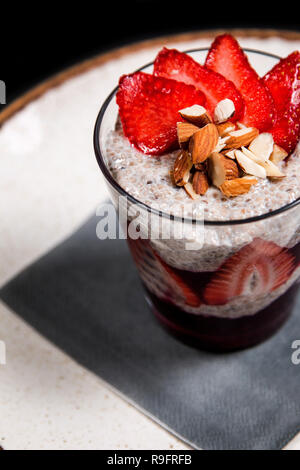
pixel 184 286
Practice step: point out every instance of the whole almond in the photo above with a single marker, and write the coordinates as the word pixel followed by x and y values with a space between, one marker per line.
pixel 238 186
pixel 182 168
pixel 203 142
pixel 185 130
pixel 200 182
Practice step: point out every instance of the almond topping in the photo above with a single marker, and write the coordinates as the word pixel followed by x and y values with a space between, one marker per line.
pixel 171 174
pixel 238 186
pixel 185 130
pixel 203 142
pixel 241 137
pixel 182 167
pixel 230 154
pixel 249 166
pixel 221 144
pixel 272 170
pixel 262 146
pixel 224 110
pixel 251 155
pixel 278 154
pixel 240 125
pixel 201 166
pixel 224 128
pixel 190 191
pixel 196 114
pixel 221 169
pixel 200 182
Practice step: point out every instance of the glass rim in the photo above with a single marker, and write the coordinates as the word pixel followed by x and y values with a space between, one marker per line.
pixel 122 192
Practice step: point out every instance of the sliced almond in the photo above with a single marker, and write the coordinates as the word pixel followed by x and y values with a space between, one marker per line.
pixel 278 154
pixel 196 114
pixel 203 142
pixel 182 167
pixel 262 146
pixel 224 128
pixel 238 186
pixel 241 137
pixel 221 169
pixel 230 154
pixel 200 182
pixel 224 110
pixel 249 166
pixel 185 130
pixel 272 170
pixel 251 155
pixel 190 191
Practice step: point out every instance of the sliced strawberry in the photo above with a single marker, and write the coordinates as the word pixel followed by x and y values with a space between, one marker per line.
pixel 283 81
pixel 145 257
pixel 258 268
pixel 189 295
pixel 179 66
pixel 149 108
pixel 227 58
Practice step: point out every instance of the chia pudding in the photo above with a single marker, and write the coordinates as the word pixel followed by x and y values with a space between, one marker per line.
pixel 148 180
pixel 239 286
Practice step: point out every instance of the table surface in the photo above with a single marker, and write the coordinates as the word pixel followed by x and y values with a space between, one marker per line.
pixel 49 184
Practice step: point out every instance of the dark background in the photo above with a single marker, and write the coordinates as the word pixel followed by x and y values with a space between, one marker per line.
pixel 38 41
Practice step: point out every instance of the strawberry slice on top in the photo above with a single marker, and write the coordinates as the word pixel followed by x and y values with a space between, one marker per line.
pixel 257 269
pixel 227 58
pixel 148 108
pixel 283 81
pixel 179 66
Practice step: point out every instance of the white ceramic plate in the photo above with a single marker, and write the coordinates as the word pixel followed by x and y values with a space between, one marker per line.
pixel 49 183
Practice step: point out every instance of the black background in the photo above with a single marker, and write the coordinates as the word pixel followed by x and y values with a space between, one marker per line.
pixel 38 41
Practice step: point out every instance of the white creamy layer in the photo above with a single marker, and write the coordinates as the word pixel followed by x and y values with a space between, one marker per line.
pixel 148 179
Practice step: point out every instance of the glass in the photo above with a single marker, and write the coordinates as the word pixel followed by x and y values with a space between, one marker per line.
pixel 240 286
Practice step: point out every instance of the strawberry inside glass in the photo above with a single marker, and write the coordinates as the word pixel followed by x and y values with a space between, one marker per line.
pixel 240 285
pixel 255 272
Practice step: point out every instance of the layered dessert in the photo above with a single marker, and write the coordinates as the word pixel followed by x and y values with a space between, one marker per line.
pixel 219 144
